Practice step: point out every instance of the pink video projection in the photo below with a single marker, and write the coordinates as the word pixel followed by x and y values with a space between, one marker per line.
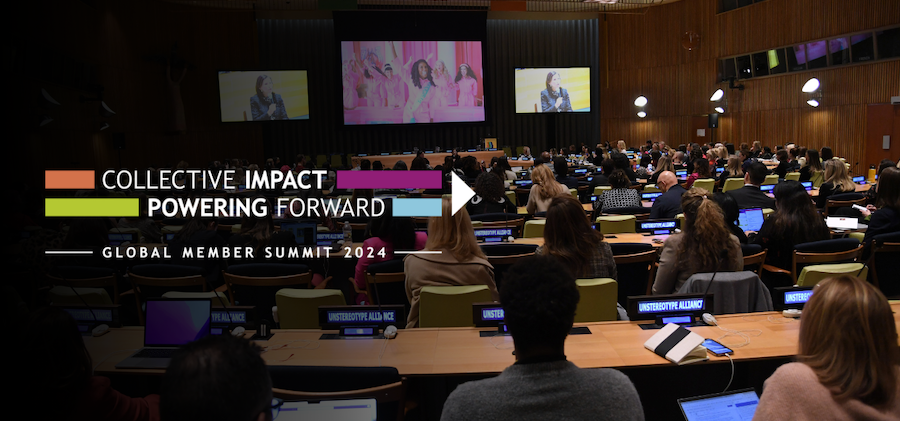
pixel 412 82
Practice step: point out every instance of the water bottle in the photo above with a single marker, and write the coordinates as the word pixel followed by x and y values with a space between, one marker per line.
pixel 348 233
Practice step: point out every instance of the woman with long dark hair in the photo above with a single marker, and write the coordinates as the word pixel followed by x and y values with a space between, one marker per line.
pixel 813 164
pixel 701 171
pixel 794 221
pixel 266 105
pixel 422 92
pixel 704 245
pixel 569 237
pixel 555 98
pixel 848 364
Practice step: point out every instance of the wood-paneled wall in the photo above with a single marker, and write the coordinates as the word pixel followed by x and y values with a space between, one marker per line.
pixel 116 38
pixel 646 58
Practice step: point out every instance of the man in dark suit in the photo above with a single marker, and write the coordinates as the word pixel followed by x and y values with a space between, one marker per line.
pixel 668 204
pixel 602 179
pixel 750 196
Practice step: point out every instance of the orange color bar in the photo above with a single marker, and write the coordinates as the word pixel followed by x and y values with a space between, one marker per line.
pixel 72 179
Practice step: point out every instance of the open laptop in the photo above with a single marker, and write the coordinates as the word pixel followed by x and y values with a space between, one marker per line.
pixel 751 219
pixel 345 410
pixel 170 323
pixel 734 405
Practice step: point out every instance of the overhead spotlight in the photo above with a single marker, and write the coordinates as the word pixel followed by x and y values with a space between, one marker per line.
pixel 720 110
pixel 104 126
pixel 642 114
pixel 717 95
pixel 813 103
pixel 46 100
pixel 640 101
pixel 811 85
pixel 105 111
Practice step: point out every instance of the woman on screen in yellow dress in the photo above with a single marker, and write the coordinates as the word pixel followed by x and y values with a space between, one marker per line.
pixel 468 85
pixel 555 99
pixel 267 105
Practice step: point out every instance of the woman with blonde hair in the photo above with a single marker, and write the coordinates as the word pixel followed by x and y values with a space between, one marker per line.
pixel 544 188
pixel 837 181
pixel 847 365
pixel 665 164
pixel 732 170
pixel 460 261
pixel 704 245
pixel 621 147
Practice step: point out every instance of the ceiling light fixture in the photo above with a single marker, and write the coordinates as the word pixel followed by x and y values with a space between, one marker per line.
pixel 640 101
pixel 813 103
pixel 717 95
pixel 641 114
pixel 811 85
pixel 720 110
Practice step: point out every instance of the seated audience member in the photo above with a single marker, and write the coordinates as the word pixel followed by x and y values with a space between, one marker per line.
pixel 259 233
pixel 389 233
pixel 377 166
pixel 601 178
pixel 678 161
pixel 543 189
pixel 665 164
pixel 730 210
pixel 794 156
pixel 366 165
pixel 562 173
pixel 732 170
pixel 621 162
pixel 490 197
pixel 756 149
pixel 767 153
pixel 398 166
pixel 419 164
pixel 885 215
pixel 784 164
pixel 642 171
pixel 813 165
pixel 620 196
pixel 750 196
pixel 872 193
pixel 668 205
pixel 218 377
pixel 795 221
pixel 505 171
pixel 827 154
pixel 704 245
pixel 847 365
pixel 461 261
pixel 526 154
pixel 701 171
pixel 569 237
pixel 836 181
pixel 539 299
pixel 55 381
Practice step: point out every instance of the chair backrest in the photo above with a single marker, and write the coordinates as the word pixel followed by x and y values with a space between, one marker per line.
pixel 732 184
pixel 534 228
pixel 502 256
pixel 598 300
pixel 635 268
pixel 770 179
pixel 61 294
pixel 843 200
pixel 391 280
pixel 511 196
pixel 792 176
pixel 705 183
pixel 600 189
pixel 754 257
pixel 734 292
pixel 884 261
pixel 255 284
pixel 615 224
pixel 299 308
pixel 574 193
pixel 651 188
pixel 384 384
pixel 817 177
pixel 450 306
pixel 520 150
pixel 86 277
pixel 812 274
pixel 841 250
pixel 337 161
pixel 154 280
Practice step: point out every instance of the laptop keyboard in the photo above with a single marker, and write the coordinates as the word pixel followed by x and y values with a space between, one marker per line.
pixel 155 353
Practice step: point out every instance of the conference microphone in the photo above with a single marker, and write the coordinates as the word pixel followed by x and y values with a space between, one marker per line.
pixel 98 330
pixel 238 331
pixel 390 331
pixel 713 278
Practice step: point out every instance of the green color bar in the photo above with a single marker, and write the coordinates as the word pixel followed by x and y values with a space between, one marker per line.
pixel 92 207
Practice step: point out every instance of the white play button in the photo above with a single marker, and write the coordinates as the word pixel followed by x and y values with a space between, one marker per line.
pixel 461 192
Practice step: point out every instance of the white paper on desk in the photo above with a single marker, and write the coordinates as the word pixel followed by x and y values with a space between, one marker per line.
pixel 343 410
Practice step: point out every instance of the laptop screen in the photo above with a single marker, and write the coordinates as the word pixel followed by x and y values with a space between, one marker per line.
pixel 176 322
pixel 346 410
pixel 750 219
pixel 736 405
pixel 304 233
pixel 807 185
pixel 859 179
pixel 766 188
pixel 681 173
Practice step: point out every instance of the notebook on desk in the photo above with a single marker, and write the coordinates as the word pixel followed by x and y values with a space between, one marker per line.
pixel 170 323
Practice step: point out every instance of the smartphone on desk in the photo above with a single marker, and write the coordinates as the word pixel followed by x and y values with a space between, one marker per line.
pixel 716 348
